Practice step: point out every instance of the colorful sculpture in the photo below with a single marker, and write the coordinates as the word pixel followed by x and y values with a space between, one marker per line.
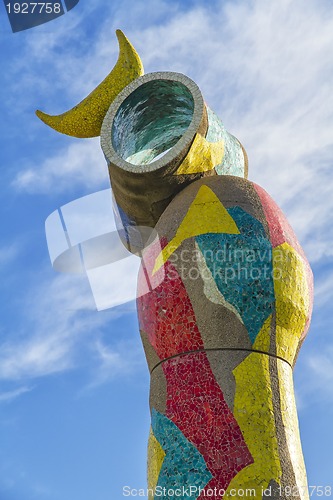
pixel 229 303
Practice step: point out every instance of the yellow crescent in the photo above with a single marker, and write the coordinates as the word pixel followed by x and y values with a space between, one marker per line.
pixel 86 118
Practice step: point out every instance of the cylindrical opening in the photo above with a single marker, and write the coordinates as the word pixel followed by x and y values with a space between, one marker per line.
pixel 151 121
pixel 146 134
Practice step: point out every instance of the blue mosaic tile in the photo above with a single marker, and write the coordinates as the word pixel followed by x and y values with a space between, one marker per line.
pixel 241 265
pixel 183 465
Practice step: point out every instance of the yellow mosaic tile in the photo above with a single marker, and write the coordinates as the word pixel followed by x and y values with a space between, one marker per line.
pixel 263 339
pixel 202 156
pixel 254 412
pixel 205 215
pixel 292 300
pixel 86 118
pixel 156 456
pixel 290 421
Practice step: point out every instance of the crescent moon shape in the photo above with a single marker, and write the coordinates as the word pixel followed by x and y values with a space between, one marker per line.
pixel 85 119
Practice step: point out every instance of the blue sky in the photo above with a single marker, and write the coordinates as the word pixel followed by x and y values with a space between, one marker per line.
pixel 74 414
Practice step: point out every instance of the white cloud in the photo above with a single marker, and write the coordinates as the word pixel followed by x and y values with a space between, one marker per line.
pixel 8 396
pixel 8 253
pixel 324 290
pixel 322 367
pixel 57 320
pixel 81 165
pixel 111 362
pixel 35 357
pixel 316 386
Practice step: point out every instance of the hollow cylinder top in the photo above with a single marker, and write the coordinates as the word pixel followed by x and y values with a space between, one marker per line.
pixel 152 121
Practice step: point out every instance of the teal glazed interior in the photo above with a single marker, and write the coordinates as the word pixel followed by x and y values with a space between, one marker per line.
pixel 151 120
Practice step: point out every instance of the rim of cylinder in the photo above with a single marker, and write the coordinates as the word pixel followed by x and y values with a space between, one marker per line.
pixel 182 144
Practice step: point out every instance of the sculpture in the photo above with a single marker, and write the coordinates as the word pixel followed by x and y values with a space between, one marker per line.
pixel 229 301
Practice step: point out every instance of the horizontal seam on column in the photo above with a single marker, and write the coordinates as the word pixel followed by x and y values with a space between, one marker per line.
pixel 220 349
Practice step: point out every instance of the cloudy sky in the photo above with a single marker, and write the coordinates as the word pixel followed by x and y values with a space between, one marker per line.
pixel 74 414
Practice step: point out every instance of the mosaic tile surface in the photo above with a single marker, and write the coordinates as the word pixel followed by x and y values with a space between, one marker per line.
pixel 233 161
pixel 247 281
pixel 214 218
pixel 156 456
pixel 183 464
pixel 244 259
pixel 249 441
pixel 202 156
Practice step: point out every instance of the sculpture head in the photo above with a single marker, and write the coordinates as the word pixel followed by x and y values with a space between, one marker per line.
pixel 153 127
pixel 158 137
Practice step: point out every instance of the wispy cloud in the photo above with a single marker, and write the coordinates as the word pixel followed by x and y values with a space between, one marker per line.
pixel 324 290
pixel 8 396
pixel 121 360
pixel 322 367
pixel 81 165
pixel 316 386
pixel 8 253
pixel 56 323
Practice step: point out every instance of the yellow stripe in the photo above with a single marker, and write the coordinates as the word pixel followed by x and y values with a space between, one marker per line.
pixel 156 456
pixel 290 422
pixel 292 300
pixel 202 156
pixel 254 412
